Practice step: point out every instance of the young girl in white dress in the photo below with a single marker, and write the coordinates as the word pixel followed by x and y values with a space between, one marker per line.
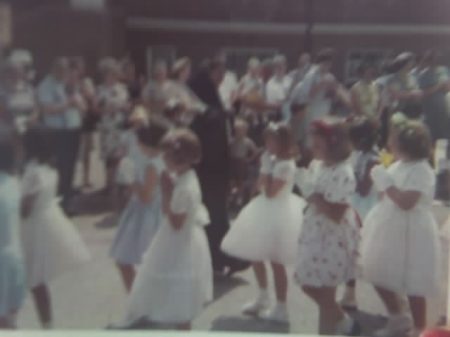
pixel 142 215
pixel 266 228
pixel 328 243
pixel 52 245
pixel 12 270
pixel 400 250
pixel 174 281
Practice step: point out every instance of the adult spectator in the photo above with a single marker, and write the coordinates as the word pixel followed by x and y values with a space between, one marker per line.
pixel 214 169
pixel 316 92
pixel 298 74
pixel 434 82
pixel 155 94
pixel 365 96
pixel 277 88
pixel 62 107
pixel 403 87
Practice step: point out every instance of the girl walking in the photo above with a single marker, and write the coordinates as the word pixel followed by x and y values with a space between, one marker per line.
pixel 51 243
pixel 141 217
pixel 400 250
pixel 266 228
pixel 175 279
pixel 12 271
pixel 328 243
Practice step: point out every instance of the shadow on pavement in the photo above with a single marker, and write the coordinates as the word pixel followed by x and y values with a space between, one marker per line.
pixel 92 203
pixel 223 285
pixel 248 324
pixel 108 221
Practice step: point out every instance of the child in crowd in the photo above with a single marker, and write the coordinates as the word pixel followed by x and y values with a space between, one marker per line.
pixel 328 243
pixel 141 217
pixel 51 243
pixel 131 154
pixel 113 105
pixel 401 248
pixel 266 228
pixel 175 279
pixel 12 271
pixel 363 136
pixel 243 152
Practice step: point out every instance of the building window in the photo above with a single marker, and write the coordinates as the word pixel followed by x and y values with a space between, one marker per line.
pixel 237 58
pixel 160 53
pixel 357 56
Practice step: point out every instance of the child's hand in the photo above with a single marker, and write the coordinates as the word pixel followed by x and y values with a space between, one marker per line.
pixel 381 178
pixel 166 183
pixel 303 181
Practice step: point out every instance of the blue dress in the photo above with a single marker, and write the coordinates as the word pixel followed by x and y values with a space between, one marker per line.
pixel 12 270
pixel 139 221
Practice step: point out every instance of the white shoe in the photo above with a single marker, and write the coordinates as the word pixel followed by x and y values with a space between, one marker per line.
pixel 256 307
pixel 397 326
pixel 347 327
pixel 348 300
pixel 278 313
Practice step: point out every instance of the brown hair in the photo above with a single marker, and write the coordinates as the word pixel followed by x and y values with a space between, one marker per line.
pixel 413 139
pixel 335 133
pixel 282 134
pixel 182 146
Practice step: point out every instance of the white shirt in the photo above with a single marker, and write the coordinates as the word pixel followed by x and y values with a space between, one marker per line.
pixel 277 89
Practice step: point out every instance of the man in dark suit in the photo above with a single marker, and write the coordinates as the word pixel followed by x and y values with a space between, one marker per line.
pixel 213 171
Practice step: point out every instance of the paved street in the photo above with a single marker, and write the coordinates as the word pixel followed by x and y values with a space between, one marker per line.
pixel 93 297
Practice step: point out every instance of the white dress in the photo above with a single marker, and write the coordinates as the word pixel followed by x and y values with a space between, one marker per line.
pixel 400 250
pixel 175 279
pixel 328 251
pixel 52 245
pixel 267 228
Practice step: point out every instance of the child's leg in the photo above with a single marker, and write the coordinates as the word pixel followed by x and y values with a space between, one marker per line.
pixel 128 274
pixel 348 300
pixel 42 301
pixel 261 302
pixel 281 282
pixel 390 300
pixel 418 307
pixel 330 313
pixel 261 275
pixel 399 323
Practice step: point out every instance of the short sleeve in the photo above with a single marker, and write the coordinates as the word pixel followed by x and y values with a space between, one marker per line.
pixel 284 170
pixel 420 179
pixel 181 201
pixel 341 186
pixel 31 183
pixel 266 164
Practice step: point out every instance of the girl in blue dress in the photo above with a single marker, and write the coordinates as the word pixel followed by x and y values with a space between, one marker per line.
pixel 140 218
pixel 12 275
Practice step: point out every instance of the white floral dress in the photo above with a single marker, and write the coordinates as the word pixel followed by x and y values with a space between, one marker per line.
pixel 328 251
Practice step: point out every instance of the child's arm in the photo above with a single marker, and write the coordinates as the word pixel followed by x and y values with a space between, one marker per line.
pixel 176 219
pixel 29 190
pixel 333 211
pixel 406 200
pixel 273 186
pixel 145 192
